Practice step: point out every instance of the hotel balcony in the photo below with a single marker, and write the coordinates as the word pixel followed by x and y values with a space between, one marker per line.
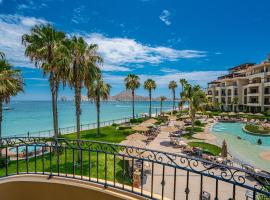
pixel 67 169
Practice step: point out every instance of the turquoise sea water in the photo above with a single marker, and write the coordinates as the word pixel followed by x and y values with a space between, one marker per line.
pixel 36 115
pixel 246 149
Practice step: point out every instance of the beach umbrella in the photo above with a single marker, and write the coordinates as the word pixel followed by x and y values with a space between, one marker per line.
pixel 241 113
pixel 140 128
pixel 136 136
pixel 208 112
pixel 133 152
pixel 149 121
pixel 134 143
pixel 199 112
pixel 231 113
pixel 184 116
pixel 168 129
pixel 259 114
pixel 223 113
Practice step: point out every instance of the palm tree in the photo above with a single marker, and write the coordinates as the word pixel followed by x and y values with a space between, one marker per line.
pixel 162 98
pixel 45 47
pixel 195 98
pixel 132 83
pixel 2 55
pixel 183 82
pixel 83 70
pixel 97 91
pixel 235 101
pixel 173 86
pixel 11 84
pixel 150 85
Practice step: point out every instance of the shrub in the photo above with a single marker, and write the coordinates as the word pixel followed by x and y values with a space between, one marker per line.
pixel 124 127
pixel 139 120
pixel 3 162
pixel 198 123
pixel 174 112
pixel 128 131
pixel 114 124
pixel 196 129
pixel 256 129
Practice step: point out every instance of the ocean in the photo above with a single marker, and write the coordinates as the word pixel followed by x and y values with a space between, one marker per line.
pixel 32 116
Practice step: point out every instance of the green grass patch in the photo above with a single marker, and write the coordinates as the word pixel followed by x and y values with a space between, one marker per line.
pixel 207 148
pixel 107 134
pixel 196 129
pixel 256 129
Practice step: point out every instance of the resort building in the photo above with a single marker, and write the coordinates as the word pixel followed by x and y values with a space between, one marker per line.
pixel 245 88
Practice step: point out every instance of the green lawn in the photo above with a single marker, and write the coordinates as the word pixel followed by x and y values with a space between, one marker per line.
pixel 88 167
pixel 206 147
pixel 196 129
pixel 108 134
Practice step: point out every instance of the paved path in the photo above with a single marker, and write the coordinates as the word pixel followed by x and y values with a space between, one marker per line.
pixel 162 143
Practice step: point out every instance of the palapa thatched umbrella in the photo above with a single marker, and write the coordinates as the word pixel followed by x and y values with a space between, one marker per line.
pixel 241 113
pixel 168 129
pixel 184 116
pixel 134 143
pixel 130 151
pixel 140 128
pixel 148 123
pixel 136 136
pixel 231 113
pixel 259 114
pixel 223 113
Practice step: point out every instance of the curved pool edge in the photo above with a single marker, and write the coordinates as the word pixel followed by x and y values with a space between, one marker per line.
pixel 255 134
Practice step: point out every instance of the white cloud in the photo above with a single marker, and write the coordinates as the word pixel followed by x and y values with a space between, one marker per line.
pixel 111 68
pixel 31 21
pixel 165 17
pixel 125 50
pixel 78 15
pixel 118 53
pixel 12 27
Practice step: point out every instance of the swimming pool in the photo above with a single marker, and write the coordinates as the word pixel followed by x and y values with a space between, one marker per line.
pixel 22 149
pixel 245 149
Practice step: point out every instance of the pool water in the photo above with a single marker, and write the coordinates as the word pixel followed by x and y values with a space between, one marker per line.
pixel 246 149
pixel 23 149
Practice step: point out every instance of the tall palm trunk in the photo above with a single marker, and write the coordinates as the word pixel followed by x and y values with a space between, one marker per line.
pixel 78 110
pixel 98 115
pixel 77 88
pixel 56 109
pixel 78 115
pixel 160 107
pixel 150 103
pixel 173 100
pixel 1 118
pixel 133 104
pixel 54 106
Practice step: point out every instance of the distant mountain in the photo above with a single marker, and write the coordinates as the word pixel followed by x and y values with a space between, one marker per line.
pixel 127 96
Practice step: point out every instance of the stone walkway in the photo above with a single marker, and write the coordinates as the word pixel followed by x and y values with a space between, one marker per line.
pixel 162 143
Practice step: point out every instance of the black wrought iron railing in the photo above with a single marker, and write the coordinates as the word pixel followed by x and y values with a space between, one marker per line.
pixel 149 173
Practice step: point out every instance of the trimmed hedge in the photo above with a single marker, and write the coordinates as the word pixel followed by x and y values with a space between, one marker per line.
pixel 256 129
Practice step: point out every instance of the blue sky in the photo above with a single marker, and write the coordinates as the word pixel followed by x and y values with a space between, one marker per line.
pixel 158 39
